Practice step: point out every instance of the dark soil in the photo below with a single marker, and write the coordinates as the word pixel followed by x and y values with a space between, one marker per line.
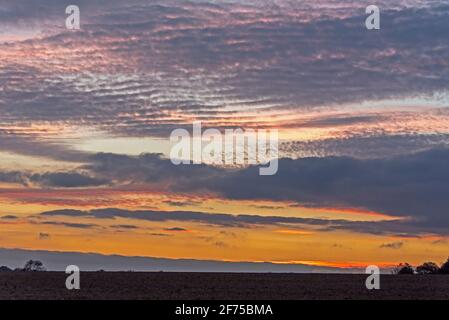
pixel 215 286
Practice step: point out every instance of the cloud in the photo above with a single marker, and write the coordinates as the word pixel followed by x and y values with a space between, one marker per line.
pixel 176 229
pixel 190 216
pixel 124 226
pixel 52 179
pixel 389 227
pixel 147 168
pixel 140 68
pixel 65 212
pixel 221 244
pixel 67 180
pixel 440 242
pixel 392 245
pixel 12 177
pixel 69 224
pixel 365 146
pixel 28 144
pixel 183 203
pixel 402 186
pixel 9 217
pixel 44 236
pixel 160 235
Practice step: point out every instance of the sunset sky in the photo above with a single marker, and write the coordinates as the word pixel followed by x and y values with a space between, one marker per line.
pixel 363 120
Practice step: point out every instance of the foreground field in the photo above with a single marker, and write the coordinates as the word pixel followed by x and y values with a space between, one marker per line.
pixel 106 285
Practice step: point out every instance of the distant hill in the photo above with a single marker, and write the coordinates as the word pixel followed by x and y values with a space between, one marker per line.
pixel 58 261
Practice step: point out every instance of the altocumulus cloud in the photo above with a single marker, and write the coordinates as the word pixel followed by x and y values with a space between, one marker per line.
pixel 238 55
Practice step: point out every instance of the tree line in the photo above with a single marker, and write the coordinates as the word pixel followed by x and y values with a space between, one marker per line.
pixel 30 266
pixel 425 268
pixel 402 268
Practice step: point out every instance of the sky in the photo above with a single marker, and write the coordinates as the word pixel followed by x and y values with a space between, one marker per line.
pixel 362 116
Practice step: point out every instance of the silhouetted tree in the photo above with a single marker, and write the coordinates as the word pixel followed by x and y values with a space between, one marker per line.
pixel 403 268
pixel 428 268
pixel 33 265
pixel 445 267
